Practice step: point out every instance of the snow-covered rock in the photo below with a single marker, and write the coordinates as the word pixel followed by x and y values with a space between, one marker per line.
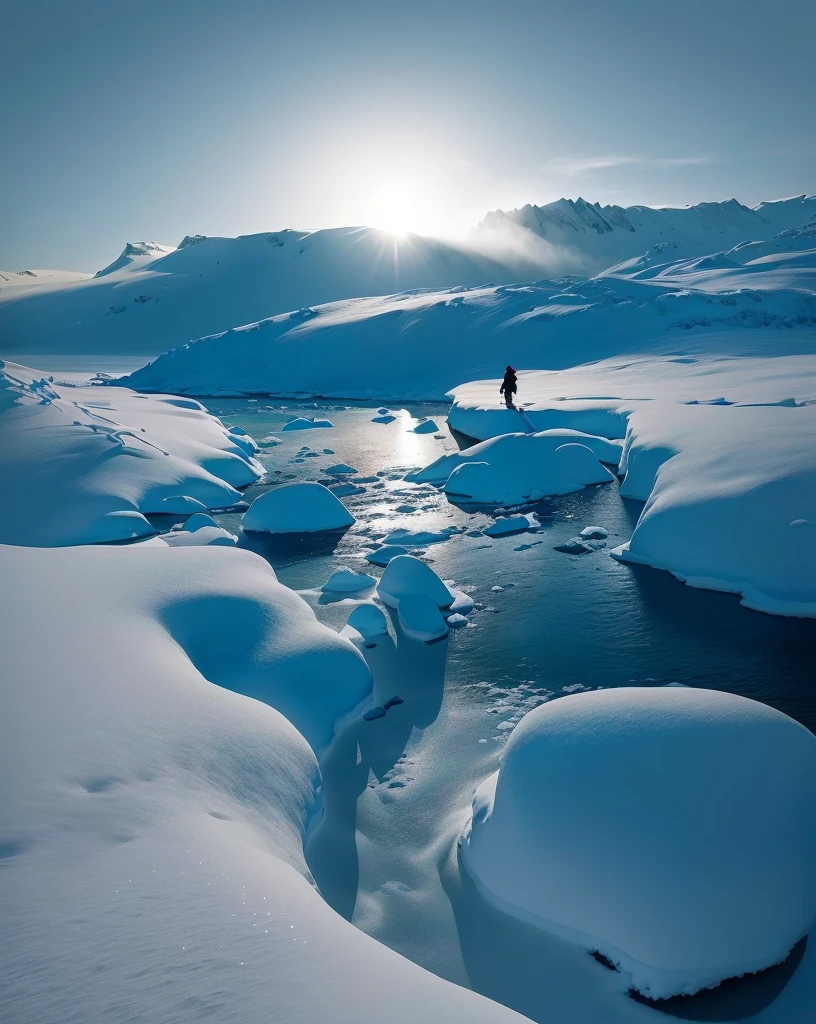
pixel 420 618
pixel 154 814
pixel 197 521
pixel 516 468
pixel 346 582
pixel 74 455
pixel 594 533
pixel 678 840
pixel 406 576
pixel 301 423
pixel 368 620
pixel 297 508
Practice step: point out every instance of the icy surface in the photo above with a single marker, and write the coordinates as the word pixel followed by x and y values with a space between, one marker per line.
pixel 664 844
pixel 297 508
pixel 72 456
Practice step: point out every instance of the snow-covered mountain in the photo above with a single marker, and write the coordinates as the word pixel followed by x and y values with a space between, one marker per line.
pixel 154 297
pixel 594 237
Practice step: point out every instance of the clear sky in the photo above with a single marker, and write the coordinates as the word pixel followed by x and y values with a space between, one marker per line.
pixel 149 120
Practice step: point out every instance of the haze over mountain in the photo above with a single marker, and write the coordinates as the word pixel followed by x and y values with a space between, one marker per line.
pixel 153 297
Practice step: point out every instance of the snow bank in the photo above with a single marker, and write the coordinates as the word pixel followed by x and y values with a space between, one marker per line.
pixel 677 837
pixel 731 500
pixel 72 456
pixel 517 468
pixel 153 819
pixel 297 508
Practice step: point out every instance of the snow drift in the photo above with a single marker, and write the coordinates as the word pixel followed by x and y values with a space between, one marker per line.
pixel 153 819
pixel 671 829
pixel 80 465
pixel 297 508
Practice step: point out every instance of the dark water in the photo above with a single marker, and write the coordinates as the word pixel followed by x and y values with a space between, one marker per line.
pixel 566 619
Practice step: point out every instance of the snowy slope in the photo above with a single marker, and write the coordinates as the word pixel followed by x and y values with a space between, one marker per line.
pixel 153 818
pixel 16 283
pixel 79 464
pixel 419 345
pixel 150 300
pixel 597 237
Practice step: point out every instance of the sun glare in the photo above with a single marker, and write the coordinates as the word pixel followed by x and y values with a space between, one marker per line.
pixel 399 207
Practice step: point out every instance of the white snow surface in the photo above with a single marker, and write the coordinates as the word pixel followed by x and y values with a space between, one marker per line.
pixel 672 829
pixel 517 468
pixel 71 457
pixel 425 343
pixel 297 508
pixel 153 818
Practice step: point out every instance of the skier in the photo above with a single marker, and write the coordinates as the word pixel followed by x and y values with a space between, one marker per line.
pixel 509 387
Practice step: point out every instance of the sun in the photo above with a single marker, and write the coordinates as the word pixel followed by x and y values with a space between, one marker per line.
pixel 399 207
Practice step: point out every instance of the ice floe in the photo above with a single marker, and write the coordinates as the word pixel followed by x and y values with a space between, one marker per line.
pixel 302 507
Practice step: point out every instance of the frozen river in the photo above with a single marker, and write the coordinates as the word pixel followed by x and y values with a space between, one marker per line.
pixel 397 791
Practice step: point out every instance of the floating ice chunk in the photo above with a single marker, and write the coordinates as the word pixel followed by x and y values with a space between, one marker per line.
pixel 341 469
pixel 594 533
pixel 181 503
pixel 301 423
pixel 346 582
pixel 405 575
pixel 368 620
pixel 704 872
pixel 383 555
pixel 426 427
pixel 203 535
pixel 269 442
pixel 383 412
pixel 420 617
pixel 462 603
pixel 297 508
pixel 346 490
pixel 574 546
pixel 507 524
pixel 383 418
pixel 197 521
pixel 456 621
pixel 124 525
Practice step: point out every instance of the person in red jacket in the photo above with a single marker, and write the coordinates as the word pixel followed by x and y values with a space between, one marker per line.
pixel 509 387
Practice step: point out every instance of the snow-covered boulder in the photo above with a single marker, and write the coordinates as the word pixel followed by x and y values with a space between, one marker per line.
pixel 406 576
pixel 112 526
pixel 346 582
pixel 516 468
pixel 672 829
pixel 368 620
pixel 198 521
pixel 301 423
pixel 154 814
pixel 420 618
pixel 71 456
pixel 297 508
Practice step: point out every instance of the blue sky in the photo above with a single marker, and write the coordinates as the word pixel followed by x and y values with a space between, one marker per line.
pixel 124 122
